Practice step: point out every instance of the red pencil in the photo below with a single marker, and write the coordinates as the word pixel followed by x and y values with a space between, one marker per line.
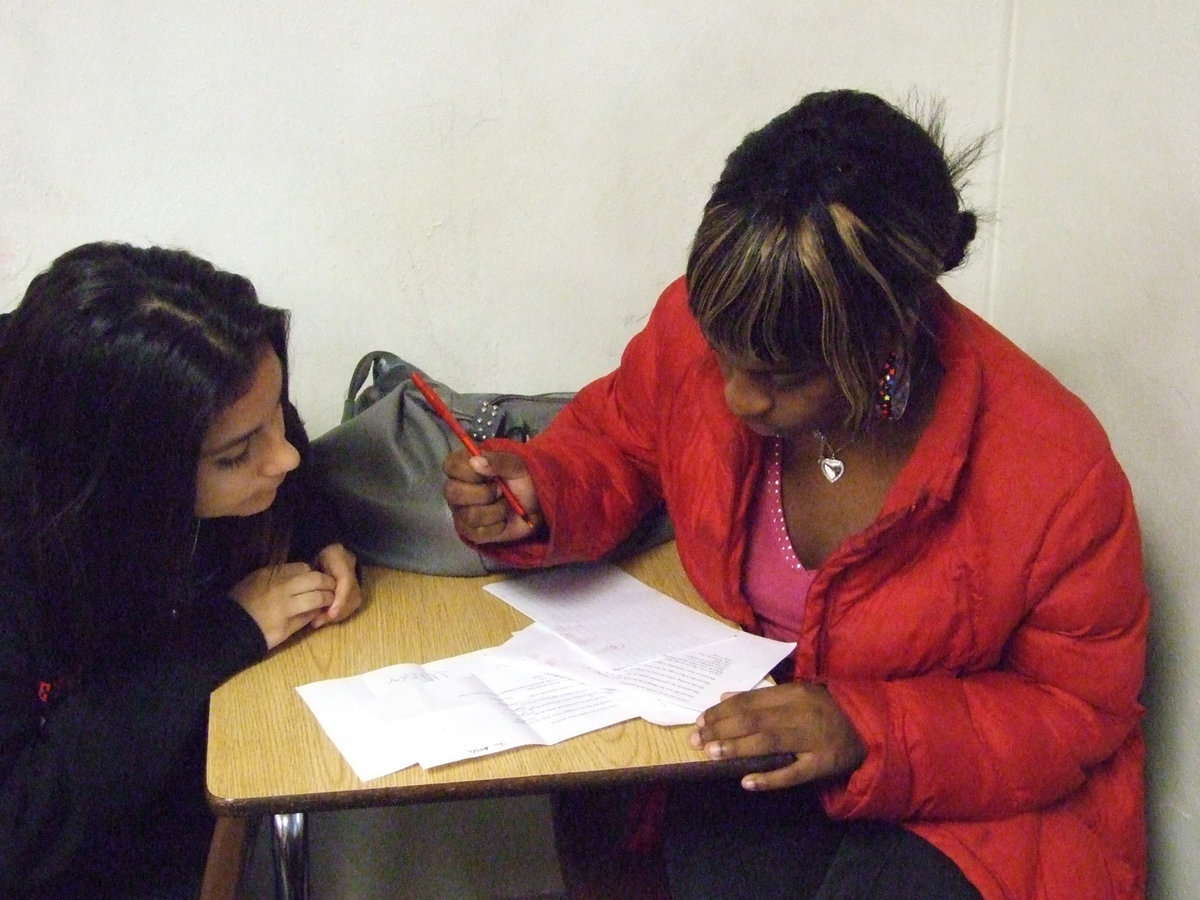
pixel 440 407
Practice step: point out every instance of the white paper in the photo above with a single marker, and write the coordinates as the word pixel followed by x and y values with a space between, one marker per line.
pixel 458 708
pixel 554 706
pixel 348 709
pixel 692 680
pixel 608 613
pixel 604 648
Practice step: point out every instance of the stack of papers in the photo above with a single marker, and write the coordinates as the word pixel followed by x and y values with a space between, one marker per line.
pixel 604 648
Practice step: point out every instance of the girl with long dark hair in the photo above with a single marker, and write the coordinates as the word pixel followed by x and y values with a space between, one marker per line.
pixel 157 535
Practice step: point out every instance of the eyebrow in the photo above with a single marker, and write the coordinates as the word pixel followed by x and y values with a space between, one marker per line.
pixel 760 367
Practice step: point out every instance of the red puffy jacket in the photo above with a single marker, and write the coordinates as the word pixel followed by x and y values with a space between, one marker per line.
pixel 986 634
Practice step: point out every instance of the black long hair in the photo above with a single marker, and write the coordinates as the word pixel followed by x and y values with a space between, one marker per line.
pixel 112 369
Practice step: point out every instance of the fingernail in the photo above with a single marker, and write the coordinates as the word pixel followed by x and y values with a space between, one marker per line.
pixel 694 740
pixel 714 751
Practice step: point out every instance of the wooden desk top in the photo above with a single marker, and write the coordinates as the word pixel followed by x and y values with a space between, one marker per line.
pixel 267 754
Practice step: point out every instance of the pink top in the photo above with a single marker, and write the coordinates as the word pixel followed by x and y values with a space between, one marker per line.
pixel 775 581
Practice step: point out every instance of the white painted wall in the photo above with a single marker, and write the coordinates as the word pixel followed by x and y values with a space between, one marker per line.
pixel 1098 276
pixel 498 189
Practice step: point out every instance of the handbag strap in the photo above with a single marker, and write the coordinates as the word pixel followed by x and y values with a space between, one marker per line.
pixel 373 365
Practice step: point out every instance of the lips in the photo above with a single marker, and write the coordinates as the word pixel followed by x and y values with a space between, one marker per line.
pixel 264 498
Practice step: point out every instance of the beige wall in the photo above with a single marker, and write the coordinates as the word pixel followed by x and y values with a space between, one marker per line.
pixel 497 189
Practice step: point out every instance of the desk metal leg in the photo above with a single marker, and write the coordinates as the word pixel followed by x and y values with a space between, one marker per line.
pixel 291 856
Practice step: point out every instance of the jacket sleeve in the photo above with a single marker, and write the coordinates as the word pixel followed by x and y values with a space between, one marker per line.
pixel 1060 702
pixel 101 758
pixel 596 467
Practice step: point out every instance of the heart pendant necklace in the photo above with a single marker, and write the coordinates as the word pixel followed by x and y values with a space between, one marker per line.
pixel 831 467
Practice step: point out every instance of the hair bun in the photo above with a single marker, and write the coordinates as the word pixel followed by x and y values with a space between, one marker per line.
pixel 966 227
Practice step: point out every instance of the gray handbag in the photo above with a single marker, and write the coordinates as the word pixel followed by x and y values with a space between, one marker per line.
pixel 382 466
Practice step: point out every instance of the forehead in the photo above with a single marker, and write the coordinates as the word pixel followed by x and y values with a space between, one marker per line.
pixel 251 410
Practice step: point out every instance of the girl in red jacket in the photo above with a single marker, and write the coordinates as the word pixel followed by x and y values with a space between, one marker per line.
pixel 855 462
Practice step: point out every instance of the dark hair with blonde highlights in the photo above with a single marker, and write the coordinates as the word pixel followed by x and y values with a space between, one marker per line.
pixel 823 236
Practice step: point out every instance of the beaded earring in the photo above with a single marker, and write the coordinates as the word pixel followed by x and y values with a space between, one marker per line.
pixel 891 396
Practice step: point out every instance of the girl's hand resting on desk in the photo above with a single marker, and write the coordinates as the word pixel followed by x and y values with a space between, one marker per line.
pixel 340 564
pixel 797 718
pixel 481 514
pixel 283 599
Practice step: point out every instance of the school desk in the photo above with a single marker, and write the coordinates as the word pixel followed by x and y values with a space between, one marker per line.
pixel 267 756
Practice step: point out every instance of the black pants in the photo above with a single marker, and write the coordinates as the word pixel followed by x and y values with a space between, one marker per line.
pixel 724 842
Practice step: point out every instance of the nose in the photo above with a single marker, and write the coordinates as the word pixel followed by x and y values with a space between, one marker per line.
pixel 745 396
pixel 282 458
